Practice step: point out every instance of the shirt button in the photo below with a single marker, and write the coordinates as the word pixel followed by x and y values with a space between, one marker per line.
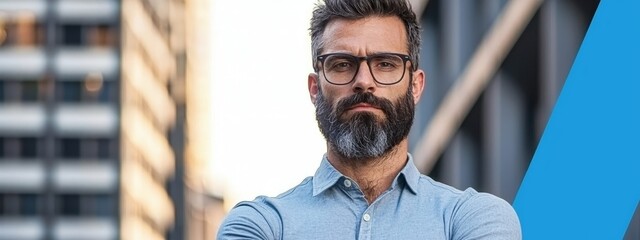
pixel 366 217
pixel 347 183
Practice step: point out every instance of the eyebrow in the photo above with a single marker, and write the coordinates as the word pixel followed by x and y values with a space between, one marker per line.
pixel 368 54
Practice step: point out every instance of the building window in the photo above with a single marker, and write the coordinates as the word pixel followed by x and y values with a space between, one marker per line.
pixel 96 35
pixel 9 147
pixel 94 205
pixel 22 31
pixel 29 204
pixel 69 148
pixel 69 205
pixel 101 36
pixel 85 91
pixel 19 90
pixel 86 148
pixel 28 147
pixel 71 35
pixel 69 91
pixel 12 90
pixel 2 154
pixel 100 148
pixel 2 90
pixel 19 148
pixel 101 205
pixel 24 204
pixel 107 92
pixel 105 148
pixel 30 91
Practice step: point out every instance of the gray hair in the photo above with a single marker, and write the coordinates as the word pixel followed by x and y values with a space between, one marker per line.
pixel 358 9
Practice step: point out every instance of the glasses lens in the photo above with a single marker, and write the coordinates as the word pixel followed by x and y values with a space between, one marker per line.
pixel 387 68
pixel 340 69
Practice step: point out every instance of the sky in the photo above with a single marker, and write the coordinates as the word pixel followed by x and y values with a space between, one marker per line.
pixel 264 133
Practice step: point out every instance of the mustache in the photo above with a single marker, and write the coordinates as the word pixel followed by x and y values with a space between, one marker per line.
pixel 368 98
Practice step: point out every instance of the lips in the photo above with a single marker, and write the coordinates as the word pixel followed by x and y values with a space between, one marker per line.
pixel 363 102
pixel 363 105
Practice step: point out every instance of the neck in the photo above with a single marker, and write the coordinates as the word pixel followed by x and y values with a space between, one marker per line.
pixel 375 175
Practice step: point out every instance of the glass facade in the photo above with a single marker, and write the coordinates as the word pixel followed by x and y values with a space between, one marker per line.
pixel 498 134
pixel 59 136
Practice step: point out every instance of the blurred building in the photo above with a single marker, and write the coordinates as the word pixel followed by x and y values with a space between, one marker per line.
pixel 59 119
pixel 152 120
pixel 164 143
pixel 204 209
pixel 494 71
pixel 94 142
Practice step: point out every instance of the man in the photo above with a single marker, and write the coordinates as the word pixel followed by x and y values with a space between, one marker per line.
pixel 365 86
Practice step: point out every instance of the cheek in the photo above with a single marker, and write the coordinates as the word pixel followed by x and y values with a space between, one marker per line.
pixel 331 94
pixel 399 92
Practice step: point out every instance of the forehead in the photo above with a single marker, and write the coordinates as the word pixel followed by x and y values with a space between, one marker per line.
pixel 365 36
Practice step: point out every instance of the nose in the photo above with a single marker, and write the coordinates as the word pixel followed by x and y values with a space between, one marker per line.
pixel 364 81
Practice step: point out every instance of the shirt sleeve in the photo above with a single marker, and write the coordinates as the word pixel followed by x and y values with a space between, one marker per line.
pixel 485 216
pixel 249 220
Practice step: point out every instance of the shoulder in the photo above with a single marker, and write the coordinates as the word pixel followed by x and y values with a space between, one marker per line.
pixel 472 214
pixel 249 220
pixel 484 216
pixel 260 218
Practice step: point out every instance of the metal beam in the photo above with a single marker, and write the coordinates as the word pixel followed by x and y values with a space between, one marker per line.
pixel 418 7
pixel 474 79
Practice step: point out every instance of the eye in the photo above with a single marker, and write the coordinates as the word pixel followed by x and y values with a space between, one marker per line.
pixel 342 65
pixel 386 63
pixel 339 64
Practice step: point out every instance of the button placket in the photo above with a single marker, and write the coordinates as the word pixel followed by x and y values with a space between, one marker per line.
pixel 347 183
pixel 366 217
pixel 365 226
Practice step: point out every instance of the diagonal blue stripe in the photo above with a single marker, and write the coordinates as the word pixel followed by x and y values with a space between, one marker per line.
pixel 584 179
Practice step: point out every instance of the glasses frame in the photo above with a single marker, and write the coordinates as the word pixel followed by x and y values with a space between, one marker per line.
pixel 405 59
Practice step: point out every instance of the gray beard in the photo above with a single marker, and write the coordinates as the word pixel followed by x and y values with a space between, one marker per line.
pixel 364 135
pixel 362 138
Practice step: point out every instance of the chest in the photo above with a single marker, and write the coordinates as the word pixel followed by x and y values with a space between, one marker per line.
pixel 395 215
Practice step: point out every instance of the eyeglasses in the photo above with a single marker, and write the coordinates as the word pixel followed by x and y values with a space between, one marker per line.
pixel 342 68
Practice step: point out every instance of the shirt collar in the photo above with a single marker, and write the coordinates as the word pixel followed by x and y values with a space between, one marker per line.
pixel 326 176
pixel 411 175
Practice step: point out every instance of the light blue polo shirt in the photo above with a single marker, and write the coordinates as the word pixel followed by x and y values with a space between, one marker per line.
pixel 332 206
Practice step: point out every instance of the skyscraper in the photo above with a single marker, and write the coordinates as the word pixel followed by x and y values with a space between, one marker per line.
pixel 59 119
pixel 93 120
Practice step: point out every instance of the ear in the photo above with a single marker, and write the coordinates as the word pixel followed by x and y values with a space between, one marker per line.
pixel 312 81
pixel 417 84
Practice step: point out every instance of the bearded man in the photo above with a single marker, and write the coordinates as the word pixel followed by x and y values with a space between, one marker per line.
pixel 365 87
